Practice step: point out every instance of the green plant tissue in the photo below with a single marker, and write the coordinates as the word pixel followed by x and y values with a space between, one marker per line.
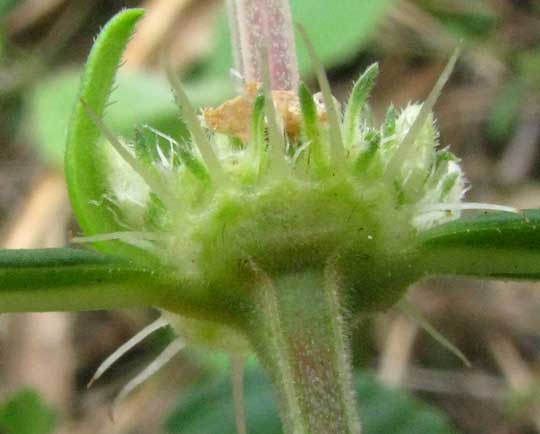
pixel 26 413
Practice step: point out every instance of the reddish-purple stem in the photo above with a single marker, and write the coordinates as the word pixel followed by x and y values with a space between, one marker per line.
pixel 264 23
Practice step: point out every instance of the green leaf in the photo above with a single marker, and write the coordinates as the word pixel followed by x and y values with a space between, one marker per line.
pixel 357 101
pixel 85 152
pixel 70 279
pixel 338 30
pixel 26 413
pixel 383 411
pixel 493 245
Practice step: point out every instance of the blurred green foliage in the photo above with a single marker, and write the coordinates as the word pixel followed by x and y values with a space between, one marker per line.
pixel 139 98
pixel 6 6
pixel 465 19
pixel 26 413
pixel 209 409
pixel 523 79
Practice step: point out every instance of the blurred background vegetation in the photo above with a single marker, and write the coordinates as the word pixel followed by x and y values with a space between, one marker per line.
pixel 489 114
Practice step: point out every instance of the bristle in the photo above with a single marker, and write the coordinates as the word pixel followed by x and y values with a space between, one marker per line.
pixel 189 116
pixel 405 147
pixel 124 348
pixel 357 101
pixel 299 151
pixel 416 316
pixel 165 357
pixel 167 162
pixel 194 164
pixel 121 236
pixel 467 206
pixel 336 140
pixel 141 240
pixel 151 180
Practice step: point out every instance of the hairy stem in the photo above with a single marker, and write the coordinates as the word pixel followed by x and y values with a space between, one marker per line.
pixel 300 338
pixel 264 23
pixel 68 279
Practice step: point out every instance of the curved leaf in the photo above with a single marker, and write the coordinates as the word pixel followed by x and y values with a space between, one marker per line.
pixel 498 245
pixel 85 156
pixel 70 279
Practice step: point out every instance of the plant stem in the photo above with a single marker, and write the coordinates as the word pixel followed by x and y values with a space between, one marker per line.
pixel 264 23
pixel 68 279
pixel 299 335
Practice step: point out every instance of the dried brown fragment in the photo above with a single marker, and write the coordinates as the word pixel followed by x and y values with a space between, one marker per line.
pixel 233 117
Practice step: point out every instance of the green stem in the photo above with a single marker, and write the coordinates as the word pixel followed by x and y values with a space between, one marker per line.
pixel 496 245
pixel 300 337
pixel 74 280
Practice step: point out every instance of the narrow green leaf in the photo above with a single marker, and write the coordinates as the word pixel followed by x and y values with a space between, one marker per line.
pixel 85 153
pixel 70 279
pixel 258 132
pixel 498 245
pixel 312 129
pixel 359 96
